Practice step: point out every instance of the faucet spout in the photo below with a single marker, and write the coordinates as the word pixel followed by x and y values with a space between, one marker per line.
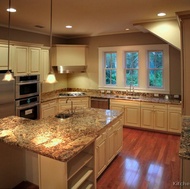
pixel 72 110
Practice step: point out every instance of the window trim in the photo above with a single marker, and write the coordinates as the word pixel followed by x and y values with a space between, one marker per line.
pixel 143 71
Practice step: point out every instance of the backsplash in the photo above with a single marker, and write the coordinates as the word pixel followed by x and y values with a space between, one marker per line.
pixel 114 92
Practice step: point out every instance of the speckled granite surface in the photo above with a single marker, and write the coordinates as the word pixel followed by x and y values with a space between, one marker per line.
pixel 184 151
pixel 55 95
pixel 59 139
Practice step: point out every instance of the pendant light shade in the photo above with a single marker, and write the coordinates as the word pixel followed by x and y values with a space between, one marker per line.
pixel 8 75
pixel 51 76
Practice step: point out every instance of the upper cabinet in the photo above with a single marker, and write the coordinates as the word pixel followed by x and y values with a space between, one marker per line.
pixel 69 55
pixel 4 57
pixel 26 60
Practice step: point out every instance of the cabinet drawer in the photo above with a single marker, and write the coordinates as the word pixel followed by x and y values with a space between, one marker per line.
pixel 160 106
pixel 101 138
pixel 146 105
pixel 131 103
pixel 174 107
pixel 49 104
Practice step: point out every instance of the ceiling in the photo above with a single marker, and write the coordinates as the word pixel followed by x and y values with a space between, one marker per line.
pixel 88 17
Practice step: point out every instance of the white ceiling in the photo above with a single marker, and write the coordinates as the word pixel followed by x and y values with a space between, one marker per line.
pixel 88 17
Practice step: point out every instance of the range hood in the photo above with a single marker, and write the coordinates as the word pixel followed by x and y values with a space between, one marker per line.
pixel 69 58
pixel 69 69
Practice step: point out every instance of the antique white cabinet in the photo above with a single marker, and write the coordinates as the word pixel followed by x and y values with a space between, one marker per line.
pixel 26 60
pixel 154 116
pixel 132 113
pixel 4 57
pixel 174 118
pixel 108 145
pixel 49 108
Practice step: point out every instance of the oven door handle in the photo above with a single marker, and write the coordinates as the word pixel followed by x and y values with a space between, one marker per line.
pixel 26 83
pixel 27 106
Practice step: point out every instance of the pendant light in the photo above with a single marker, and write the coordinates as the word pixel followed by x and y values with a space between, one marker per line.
pixel 8 75
pixel 51 76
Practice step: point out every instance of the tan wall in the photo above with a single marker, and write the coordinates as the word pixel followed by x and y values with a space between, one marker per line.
pixel 90 79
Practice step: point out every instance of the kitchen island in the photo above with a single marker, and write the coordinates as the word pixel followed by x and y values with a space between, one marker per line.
pixel 52 152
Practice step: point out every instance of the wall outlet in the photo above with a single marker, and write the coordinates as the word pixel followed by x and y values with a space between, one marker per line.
pixel 176 96
pixel 156 95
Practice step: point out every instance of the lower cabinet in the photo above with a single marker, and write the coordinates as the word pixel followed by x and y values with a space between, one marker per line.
pixel 132 113
pixel 154 116
pixel 149 115
pixel 49 108
pixel 174 118
pixel 78 102
pixel 52 107
pixel 108 145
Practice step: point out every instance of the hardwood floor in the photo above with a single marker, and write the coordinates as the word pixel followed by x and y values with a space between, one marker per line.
pixel 148 160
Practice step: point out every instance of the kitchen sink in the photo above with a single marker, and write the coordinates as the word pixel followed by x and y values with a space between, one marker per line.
pixel 63 116
pixel 127 97
pixel 132 97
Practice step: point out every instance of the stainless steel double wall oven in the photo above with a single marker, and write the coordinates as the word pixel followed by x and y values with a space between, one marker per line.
pixel 27 96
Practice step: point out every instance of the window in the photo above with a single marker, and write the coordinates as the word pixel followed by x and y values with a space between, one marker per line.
pixel 146 67
pixel 155 69
pixel 132 66
pixel 110 68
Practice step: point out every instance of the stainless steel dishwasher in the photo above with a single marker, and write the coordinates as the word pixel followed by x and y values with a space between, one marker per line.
pixel 100 102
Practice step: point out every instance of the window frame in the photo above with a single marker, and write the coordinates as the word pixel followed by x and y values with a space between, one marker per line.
pixel 110 52
pixel 131 68
pixel 143 71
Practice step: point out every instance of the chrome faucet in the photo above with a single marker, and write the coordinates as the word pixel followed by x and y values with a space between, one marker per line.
pixel 72 110
pixel 132 88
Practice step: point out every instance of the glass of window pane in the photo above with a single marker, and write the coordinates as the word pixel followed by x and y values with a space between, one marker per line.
pixel 156 78
pixel 132 77
pixel 131 59
pixel 113 77
pixel 108 76
pixel 155 59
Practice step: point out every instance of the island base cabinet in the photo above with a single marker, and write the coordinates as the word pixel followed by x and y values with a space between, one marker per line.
pixel 75 174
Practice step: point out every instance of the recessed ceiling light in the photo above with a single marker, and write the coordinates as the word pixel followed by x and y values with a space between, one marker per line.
pixel 161 14
pixel 127 29
pixel 69 26
pixel 11 10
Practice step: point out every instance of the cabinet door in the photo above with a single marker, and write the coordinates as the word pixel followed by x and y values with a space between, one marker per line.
pixel 132 116
pixel 174 119
pixel 118 138
pixel 110 145
pixel 4 57
pixel 100 154
pixel 34 60
pixel 147 117
pixel 160 119
pixel 44 64
pixel 48 109
pixel 21 60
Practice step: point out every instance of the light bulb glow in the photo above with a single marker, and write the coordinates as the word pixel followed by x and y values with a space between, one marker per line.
pixel 11 10
pixel 161 14
pixel 8 76
pixel 51 78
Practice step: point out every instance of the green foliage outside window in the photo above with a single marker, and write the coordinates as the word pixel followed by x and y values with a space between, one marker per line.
pixel 155 65
pixel 110 68
pixel 132 66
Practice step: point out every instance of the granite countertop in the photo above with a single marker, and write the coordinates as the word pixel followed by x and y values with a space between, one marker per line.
pixel 55 95
pixel 184 151
pixel 60 139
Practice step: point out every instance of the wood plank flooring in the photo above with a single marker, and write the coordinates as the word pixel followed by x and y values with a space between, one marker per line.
pixel 148 160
